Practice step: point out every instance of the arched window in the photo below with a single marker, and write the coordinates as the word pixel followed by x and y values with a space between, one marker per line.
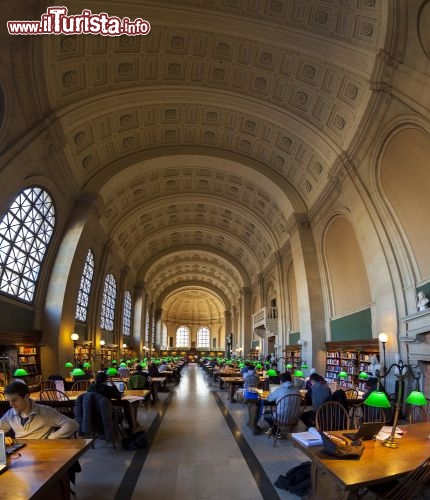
pixel 147 328
pixel 203 337
pixel 182 336
pixel 85 288
pixel 25 233
pixel 108 303
pixel 126 314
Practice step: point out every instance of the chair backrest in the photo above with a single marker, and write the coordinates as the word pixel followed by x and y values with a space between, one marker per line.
pixel 412 484
pixel 53 395
pixel 289 410
pixel 80 385
pixel 250 381
pixel 47 384
pixel 331 416
pixel 2 396
pixel 351 393
pixel 417 414
pixel 138 381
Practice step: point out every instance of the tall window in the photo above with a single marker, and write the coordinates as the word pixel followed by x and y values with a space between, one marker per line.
pixel 85 288
pixel 126 314
pixel 108 303
pixel 147 328
pixel 203 337
pixel 25 233
pixel 182 336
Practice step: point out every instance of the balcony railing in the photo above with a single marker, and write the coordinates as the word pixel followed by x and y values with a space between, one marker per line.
pixel 265 320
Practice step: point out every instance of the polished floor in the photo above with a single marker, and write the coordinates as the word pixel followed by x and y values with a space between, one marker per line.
pixel 200 449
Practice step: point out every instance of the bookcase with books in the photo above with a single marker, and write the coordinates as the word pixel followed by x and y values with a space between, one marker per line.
pixel 82 351
pixel 29 358
pixel 352 357
pixel 293 355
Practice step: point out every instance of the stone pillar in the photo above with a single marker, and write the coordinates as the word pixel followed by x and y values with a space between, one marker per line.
pixel 138 319
pixel 311 317
pixel 246 318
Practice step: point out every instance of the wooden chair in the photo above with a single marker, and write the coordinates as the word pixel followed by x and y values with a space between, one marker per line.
pixel 331 416
pixel 364 413
pixel 417 414
pixel 58 400
pixel 406 488
pixel 2 396
pixel 351 394
pixel 47 384
pixel 288 412
pixel 80 385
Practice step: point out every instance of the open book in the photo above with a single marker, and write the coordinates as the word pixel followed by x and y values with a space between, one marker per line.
pixel 310 437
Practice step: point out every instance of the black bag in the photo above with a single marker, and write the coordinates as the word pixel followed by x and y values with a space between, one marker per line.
pixel 297 480
pixel 338 446
pixel 135 441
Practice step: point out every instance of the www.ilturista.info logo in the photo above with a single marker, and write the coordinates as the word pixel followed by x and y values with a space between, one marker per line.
pixel 57 22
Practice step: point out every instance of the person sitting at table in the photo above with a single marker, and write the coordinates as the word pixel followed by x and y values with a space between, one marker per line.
pixel 320 394
pixel 138 380
pixel 101 386
pixel 153 370
pixel 30 420
pixel 247 366
pixel 285 389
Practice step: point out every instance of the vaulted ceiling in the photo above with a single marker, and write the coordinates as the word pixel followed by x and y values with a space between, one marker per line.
pixel 204 137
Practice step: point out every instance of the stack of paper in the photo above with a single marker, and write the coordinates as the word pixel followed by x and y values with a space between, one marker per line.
pixel 385 433
pixel 309 438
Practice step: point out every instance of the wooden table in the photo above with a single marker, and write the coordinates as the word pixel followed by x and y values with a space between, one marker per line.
pixel 231 383
pixel 340 479
pixel 41 470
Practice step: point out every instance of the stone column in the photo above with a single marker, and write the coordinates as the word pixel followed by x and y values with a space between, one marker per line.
pixel 246 318
pixel 311 316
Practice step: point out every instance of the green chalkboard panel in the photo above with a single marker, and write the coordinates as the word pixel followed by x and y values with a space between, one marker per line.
pixel 357 326
pixel 294 338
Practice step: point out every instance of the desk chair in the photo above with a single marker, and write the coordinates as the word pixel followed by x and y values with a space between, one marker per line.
pixel 2 396
pixel 47 384
pixel 80 385
pixel 288 412
pixel 364 413
pixel 52 396
pixel 408 487
pixel 332 416
pixel 417 414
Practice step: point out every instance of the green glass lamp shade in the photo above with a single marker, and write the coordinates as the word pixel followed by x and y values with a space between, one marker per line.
pixel 298 373
pixel 416 398
pixel 20 372
pixel 258 366
pixel 111 372
pixel 121 365
pixel 288 366
pixel 68 365
pixel 377 399
pixel 343 374
pixel 305 366
pixel 241 365
pixel 77 372
pixel 363 376
pixel 87 365
pixel 113 362
pixel 143 365
pixel 271 373
pixel 128 361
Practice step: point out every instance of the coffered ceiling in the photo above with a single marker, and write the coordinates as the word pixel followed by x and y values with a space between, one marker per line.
pixel 204 137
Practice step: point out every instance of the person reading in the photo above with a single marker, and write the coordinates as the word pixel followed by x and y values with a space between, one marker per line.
pixel 30 420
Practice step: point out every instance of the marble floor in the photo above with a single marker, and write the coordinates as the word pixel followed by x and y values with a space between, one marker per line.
pixel 200 449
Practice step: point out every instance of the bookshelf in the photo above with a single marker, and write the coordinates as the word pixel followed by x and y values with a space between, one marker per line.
pixel 82 351
pixel 29 358
pixel 353 357
pixel 293 355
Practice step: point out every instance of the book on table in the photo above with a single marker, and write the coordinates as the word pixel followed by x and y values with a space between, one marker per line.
pixel 311 437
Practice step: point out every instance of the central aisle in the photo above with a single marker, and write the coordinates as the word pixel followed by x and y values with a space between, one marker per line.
pixel 194 455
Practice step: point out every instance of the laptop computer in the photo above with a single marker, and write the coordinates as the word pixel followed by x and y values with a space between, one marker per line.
pixel 366 431
pixel 119 385
pixel 3 465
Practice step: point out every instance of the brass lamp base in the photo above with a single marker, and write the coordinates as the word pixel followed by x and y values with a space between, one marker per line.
pixel 390 443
